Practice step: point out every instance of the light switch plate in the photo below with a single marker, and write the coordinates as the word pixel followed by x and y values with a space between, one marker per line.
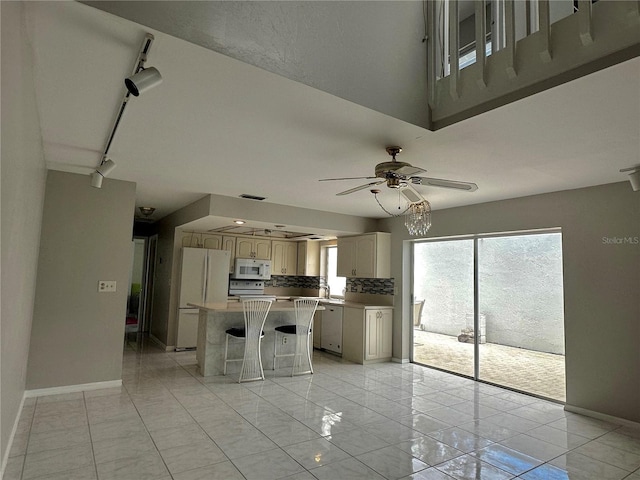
pixel 106 286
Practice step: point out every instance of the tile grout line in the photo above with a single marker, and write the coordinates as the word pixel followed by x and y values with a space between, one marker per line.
pixel 147 431
pixel 26 448
pixel 93 453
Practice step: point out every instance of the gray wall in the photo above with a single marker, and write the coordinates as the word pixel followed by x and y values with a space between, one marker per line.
pixel 78 333
pixel 601 283
pixel 23 178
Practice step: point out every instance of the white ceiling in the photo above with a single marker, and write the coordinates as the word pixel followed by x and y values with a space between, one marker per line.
pixel 217 125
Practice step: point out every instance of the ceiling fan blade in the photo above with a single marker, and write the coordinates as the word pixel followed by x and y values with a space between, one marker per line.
pixel 345 178
pixel 411 195
pixel 440 182
pixel 361 187
pixel 409 171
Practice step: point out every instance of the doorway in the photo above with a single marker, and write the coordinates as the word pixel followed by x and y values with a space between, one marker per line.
pixel 135 300
pixel 492 309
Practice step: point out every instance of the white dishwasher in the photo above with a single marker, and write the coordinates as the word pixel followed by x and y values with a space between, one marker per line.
pixel 331 333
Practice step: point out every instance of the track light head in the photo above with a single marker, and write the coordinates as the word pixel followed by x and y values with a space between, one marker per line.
pixel 634 177
pixel 142 81
pixel 104 169
pixel 96 180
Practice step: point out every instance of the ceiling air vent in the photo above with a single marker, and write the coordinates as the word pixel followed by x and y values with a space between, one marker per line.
pixel 252 197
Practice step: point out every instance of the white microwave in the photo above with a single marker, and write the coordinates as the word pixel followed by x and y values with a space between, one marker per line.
pixel 251 269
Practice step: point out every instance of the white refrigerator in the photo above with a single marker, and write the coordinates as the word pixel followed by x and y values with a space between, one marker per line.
pixel 204 278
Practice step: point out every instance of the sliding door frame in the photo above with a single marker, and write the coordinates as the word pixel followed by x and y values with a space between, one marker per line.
pixel 476 297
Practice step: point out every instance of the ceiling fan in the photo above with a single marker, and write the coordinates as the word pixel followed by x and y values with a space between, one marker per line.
pixel 401 175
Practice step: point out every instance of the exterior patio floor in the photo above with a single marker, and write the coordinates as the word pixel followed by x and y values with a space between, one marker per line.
pixel 529 371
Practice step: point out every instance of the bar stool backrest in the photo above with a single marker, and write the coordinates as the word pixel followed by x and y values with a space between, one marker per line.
pixel 255 313
pixel 305 309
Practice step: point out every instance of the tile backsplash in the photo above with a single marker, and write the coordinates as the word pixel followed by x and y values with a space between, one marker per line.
pixel 374 286
pixel 287 281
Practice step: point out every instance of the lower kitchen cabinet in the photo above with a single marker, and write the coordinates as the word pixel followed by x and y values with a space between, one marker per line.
pixel 367 334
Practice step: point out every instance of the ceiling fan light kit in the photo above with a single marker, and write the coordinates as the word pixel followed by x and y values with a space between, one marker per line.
pixel 417 220
pixel 401 176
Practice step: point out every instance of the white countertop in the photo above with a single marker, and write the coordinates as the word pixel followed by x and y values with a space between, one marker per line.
pixel 323 301
pixel 236 306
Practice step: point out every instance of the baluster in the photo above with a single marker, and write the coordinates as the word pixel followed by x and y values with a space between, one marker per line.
pixel 545 30
pixel 454 51
pixel 584 16
pixel 481 41
pixel 432 56
pixel 510 37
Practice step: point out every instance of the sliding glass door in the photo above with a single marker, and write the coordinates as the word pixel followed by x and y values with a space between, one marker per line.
pixel 516 337
pixel 443 300
pixel 520 295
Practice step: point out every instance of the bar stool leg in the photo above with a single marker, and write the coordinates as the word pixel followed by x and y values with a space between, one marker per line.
pixel 275 347
pixel 309 353
pixel 226 348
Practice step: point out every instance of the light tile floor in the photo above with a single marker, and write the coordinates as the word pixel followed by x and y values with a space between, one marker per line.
pixel 525 370
pixel 347 421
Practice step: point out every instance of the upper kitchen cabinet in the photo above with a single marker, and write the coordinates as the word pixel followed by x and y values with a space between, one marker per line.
pixel 309 258
pixel 202 240
pixel 259 248
pixel 284 257
pixel 365 256
pixel 229 243
pixel 213 242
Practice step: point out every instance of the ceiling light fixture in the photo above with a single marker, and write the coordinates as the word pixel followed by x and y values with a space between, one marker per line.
pixel 634 176
pixel 140 81
pixel 239 222
pixel 417 214
pixel 146 211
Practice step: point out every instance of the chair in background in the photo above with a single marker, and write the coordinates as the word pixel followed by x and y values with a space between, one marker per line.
pixel 255 313
pixel 418 305
pixel 305 308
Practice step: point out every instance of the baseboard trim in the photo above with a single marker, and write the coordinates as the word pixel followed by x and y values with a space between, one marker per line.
pixel 83 387
pixel 400 360
pixel 155 340
pixel 601 416
pixel 5 457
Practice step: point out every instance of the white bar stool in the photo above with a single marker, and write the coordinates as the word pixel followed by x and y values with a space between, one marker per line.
pixel 255 314
pixel 305 308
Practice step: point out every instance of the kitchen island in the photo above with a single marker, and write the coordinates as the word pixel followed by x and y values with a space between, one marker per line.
pixel 215 318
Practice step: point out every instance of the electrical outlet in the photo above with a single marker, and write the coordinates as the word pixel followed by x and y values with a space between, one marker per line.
pixel 284 340
pixel 106 286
